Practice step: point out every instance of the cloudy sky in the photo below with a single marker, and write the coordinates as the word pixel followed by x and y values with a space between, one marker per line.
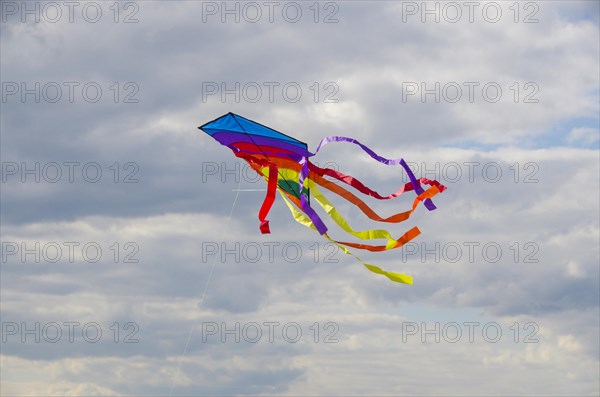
pixel 132 262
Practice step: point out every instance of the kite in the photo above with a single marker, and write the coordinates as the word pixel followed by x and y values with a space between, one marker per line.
pixel 284 163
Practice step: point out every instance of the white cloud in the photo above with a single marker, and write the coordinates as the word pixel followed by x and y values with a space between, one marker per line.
pixel 584 135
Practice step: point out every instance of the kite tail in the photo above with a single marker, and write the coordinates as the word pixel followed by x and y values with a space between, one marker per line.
pixel 303 220
pixel 269 200
pixel 415 183
pixel 284 172
pixel 358 185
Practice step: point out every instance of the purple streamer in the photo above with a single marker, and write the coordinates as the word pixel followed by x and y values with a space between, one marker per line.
pixel 417 185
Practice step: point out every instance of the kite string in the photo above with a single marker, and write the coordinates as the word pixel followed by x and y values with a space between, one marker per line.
pixel 212 268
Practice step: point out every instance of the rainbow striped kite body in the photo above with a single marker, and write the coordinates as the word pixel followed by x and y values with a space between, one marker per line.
pixel 284 163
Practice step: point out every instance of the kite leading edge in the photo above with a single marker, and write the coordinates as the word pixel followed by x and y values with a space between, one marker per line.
pixel 284 163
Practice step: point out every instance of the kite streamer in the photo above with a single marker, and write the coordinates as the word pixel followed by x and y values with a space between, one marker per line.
pixel 284 163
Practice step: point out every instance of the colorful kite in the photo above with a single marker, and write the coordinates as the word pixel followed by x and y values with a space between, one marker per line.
pixel 284 163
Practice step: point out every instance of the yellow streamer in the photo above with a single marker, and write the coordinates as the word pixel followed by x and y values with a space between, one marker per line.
pixel 304 220
pixel 333 212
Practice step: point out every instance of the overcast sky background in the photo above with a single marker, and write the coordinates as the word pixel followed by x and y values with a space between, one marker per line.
pixel 521 166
